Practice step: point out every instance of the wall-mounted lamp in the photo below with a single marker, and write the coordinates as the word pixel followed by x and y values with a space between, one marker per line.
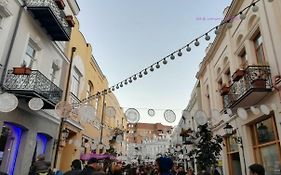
pixel 229 131
pixel 64 134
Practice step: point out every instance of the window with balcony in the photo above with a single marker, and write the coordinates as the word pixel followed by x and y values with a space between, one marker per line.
pixel 266 145
pixel 76 77
pixel 258 44
pixel 30 55
pixel 243 59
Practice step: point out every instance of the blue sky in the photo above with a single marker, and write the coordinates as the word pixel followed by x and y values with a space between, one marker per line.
pixel 129 35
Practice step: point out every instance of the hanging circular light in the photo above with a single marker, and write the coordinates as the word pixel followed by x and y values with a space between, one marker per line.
pixel 217 30
pixel 130 80
pixel 140 75
pixel 255 8
pixel 196 42
pixel 172 57
pixel 157 65
pixel 207 37
pixel 242 16
pixel 121 84
pixel 179 53
pixel 36 104
pixel 112 88
pixel 126 82
pixel 165 61
pixel 117 87
pixel 188 48
pixel 135 77
pixel 151 68
pixel 145 72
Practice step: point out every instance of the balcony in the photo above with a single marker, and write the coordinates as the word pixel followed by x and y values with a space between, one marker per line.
pixel 32 85
pixel 250 89
pixel 51 18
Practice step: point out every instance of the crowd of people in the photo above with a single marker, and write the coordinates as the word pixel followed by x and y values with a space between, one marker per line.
pixel 162 166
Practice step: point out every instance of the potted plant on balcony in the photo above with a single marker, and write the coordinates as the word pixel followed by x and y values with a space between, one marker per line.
pixel 23 70
pixel 224 89
pixel 70 20
pixel 60 4
pixel 238 74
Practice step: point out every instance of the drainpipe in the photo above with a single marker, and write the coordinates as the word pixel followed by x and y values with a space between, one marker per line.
pixel 102 115
pixel 73 49
pixel 5 65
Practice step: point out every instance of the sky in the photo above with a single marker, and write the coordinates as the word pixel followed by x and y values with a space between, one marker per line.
pixel 129 35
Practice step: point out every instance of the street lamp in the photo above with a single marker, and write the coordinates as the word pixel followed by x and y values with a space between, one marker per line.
pixel 64 134
pixel 228 129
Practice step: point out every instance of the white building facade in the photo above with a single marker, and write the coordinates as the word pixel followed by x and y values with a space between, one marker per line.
pixel 33 36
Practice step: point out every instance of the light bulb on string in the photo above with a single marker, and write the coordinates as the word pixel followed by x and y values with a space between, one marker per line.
pixel 179 53
pixel 121 84
pixel 196 42
pixel 172 57
pixel 130 80
pixel 188 48
pixel 113 89
pixel 217 30
pixel 126 82
pixel 140 75
pixel 157 65
pixel 151 68
pixel 242 16
pixel 135 77
pixel 117 86
pixel 145 72
pixel 207 37
pixel 165 61
pixel 255 8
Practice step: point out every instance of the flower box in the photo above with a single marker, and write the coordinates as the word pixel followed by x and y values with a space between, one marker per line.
pixel 238 74
pixel 60 4
pixel 259 83
pixel 21 71
pixel 70 20
pixel 224 90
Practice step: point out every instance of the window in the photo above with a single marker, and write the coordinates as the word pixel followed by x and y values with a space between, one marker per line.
pixel 243 59
pixel 233 156
pixel 30 54
pixel 1 20
pixel 266 145
pixel 76 76
pixel 90 89
pixel 258 44
pixel 228 77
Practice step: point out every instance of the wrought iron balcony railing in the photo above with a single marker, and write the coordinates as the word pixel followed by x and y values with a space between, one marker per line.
pixel 34 85
pixel 51 17
pixel 255 79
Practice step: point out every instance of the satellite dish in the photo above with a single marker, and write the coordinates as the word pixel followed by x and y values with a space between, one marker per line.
pixel 151 112
pixel 8 102
pixel 254 110
pixel 110 111
pixel 242 113
pixel 200 118
pixel 86 113
pixel 169 116
pixel 36 103
pixel 265 110
pixel 132 115
pixel 63 109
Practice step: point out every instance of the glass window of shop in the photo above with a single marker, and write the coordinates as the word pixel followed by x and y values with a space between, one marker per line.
pixel 233 156
pixel 266 145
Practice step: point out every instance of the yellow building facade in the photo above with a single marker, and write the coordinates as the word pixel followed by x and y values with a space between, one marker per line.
pixel 86 79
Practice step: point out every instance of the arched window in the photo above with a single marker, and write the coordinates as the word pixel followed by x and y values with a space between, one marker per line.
pixel 90 89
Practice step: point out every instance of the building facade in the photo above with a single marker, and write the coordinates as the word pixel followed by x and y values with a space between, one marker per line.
pixel 145 141
pixel 239 77
pixel 33 65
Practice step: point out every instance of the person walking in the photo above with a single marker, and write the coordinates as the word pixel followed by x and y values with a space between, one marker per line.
pixel 76 168
pixel 40 166
pixel 93 167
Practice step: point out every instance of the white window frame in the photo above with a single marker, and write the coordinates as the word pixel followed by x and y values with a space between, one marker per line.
pixel 78 80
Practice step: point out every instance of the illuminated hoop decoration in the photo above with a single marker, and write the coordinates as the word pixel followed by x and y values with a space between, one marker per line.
pixel 200 118
pixel 255 110
pixel 86 113
pixel 242 113
pixel 36 104
pixel 132 115
pixel 63 109
pixel 169 116
pixel 265 110
pixel 151 112
pixel 8 102
pixel 110 111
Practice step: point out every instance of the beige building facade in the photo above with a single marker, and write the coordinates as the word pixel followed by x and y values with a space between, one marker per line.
pixel 239 77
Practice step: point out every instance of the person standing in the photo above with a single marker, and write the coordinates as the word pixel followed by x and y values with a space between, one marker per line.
pixel 40 166
pixel 76 168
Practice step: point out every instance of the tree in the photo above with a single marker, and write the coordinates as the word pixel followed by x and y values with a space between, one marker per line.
pixel 207 150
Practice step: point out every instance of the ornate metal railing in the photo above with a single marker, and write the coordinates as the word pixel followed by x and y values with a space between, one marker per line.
pixel 248 82
pixel 36 82
pixel 59 14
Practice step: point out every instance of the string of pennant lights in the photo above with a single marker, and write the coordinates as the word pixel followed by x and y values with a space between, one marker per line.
pixel 178 52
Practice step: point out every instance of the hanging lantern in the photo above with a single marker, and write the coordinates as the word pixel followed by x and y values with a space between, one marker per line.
pixel 228 129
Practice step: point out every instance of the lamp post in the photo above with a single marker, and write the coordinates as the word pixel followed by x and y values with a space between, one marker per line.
pixel 102 116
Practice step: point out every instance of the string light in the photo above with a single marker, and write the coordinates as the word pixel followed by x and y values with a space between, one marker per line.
pixel 187 47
